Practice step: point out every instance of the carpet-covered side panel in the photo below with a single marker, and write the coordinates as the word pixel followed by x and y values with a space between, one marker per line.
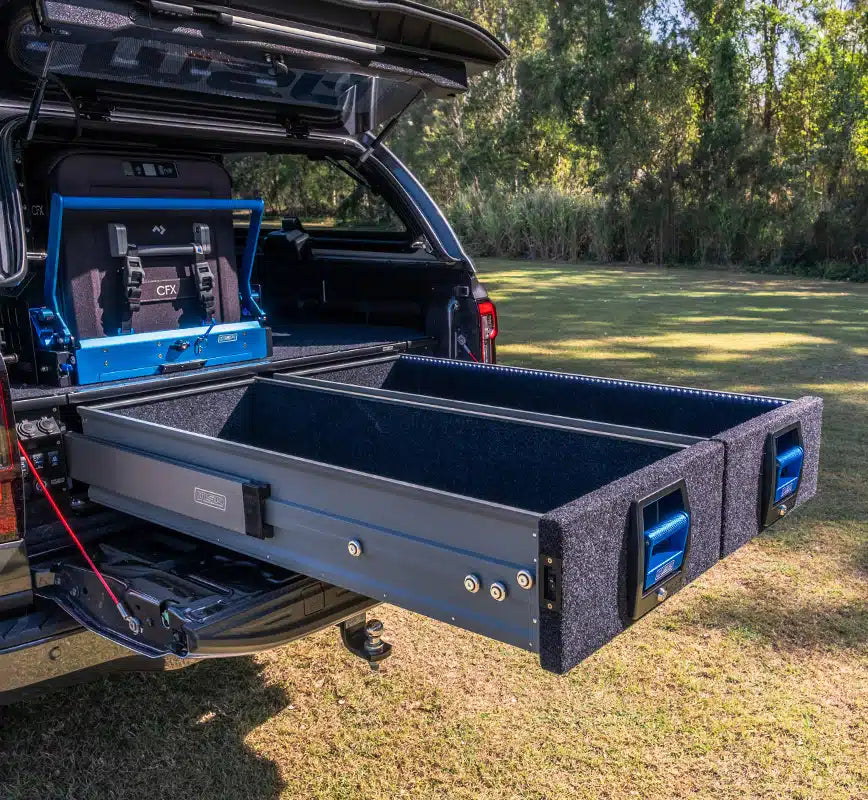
pixel 745 445
pixel 226 413
pixel 695 412
pixel 591 536
pixel 525 466
pixel 369 375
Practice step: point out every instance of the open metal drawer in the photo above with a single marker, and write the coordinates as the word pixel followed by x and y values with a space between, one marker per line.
pixel 545 536
pixel 772 445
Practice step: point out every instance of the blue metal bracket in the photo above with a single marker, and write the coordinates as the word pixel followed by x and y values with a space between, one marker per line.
pixel 61 203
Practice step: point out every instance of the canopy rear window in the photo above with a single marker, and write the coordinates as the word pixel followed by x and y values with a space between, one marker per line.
pixel 317 76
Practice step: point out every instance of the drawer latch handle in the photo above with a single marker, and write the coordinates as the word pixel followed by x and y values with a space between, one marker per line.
pixel 659 548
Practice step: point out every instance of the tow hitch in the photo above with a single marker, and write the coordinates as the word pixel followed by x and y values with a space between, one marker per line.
pixel 363 638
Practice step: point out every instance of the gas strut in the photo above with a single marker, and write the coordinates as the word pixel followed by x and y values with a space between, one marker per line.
pixel 132 621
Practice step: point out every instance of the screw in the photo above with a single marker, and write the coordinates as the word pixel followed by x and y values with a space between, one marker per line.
pixel 550 606
pixel 782 510
pixel 662 594
pixel 550 560
pixel 524 579
pixel 472 583
pixel 498 591
pixel 354 548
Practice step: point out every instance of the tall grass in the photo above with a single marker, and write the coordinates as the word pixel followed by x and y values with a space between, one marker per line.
pixel 549 224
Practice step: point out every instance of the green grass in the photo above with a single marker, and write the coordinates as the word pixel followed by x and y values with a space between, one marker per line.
pixel 752 682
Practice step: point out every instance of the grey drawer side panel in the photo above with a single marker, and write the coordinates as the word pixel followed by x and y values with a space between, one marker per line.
pixel 591 536
pixel 745 448
pixel 316 510
pixel 463 523
pixel 197 493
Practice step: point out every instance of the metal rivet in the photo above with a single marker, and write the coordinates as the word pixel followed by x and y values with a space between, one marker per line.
pixel 354 548
pixel 498 591
pixel 550 606
pixel 550 560
pixel 524 579
pixel 662 594
pixel 472 583
pixel 54 653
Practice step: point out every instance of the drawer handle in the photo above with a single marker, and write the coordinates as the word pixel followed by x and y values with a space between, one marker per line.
pixel 659 547
pixel 788 467
pixel 783 461
pixel 664 547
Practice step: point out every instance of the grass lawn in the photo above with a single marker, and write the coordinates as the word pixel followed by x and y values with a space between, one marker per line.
pixel 751 682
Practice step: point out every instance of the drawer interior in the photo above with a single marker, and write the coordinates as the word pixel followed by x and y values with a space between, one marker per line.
pixel 523 465
pixel 767 439
pixel 694 412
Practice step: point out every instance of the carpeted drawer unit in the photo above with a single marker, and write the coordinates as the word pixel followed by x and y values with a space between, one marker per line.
pixel 547 536
pixel 772 445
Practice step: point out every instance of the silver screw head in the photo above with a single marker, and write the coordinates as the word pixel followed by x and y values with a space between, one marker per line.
pixel 662 594
pixel 498 591
pixel 472 583
pixel 524 579
pixel 354 548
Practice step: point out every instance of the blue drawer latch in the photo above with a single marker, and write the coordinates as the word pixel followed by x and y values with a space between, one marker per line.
pixel 788 467
pixel 665 544
pixel 659 547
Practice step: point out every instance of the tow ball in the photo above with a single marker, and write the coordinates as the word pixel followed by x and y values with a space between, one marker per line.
pixel 363 638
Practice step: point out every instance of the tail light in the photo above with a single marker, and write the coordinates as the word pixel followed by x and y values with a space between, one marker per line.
pixel 487 329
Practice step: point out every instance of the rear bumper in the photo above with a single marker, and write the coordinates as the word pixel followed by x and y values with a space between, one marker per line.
pixel 61 659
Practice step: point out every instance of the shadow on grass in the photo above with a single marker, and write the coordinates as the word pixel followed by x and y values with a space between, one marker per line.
pixel 797 624
pixel 154 735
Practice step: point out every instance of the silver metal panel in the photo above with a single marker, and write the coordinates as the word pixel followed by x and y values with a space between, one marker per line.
pixel 493 411
pixel 418 544
pixel 198 493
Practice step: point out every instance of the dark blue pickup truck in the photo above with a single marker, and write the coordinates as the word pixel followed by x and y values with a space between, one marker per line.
pixel 236 410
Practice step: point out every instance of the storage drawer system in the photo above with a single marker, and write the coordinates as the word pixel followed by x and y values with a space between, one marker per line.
pixel 548 531
pixel 772 445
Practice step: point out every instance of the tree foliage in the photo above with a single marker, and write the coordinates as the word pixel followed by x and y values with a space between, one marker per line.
pixel 725 131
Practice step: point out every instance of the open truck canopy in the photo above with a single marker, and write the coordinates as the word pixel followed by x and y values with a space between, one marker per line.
pixel 346 65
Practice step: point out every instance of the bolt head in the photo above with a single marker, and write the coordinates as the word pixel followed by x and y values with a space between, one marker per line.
pixel 662 594
pixel 354 548
pixel 472 583
pixel 498 591
pixel 524 579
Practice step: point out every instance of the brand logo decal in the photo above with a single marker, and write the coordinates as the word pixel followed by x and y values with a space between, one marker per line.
pixel 227 337
pixel 214 500
pixel 159 229
pixel 664 570
pixel 167 290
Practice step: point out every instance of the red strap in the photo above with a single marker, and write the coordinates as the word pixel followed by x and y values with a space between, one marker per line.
pixel 65 524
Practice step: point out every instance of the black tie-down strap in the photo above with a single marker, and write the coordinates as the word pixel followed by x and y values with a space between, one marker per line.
pixel 133 273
